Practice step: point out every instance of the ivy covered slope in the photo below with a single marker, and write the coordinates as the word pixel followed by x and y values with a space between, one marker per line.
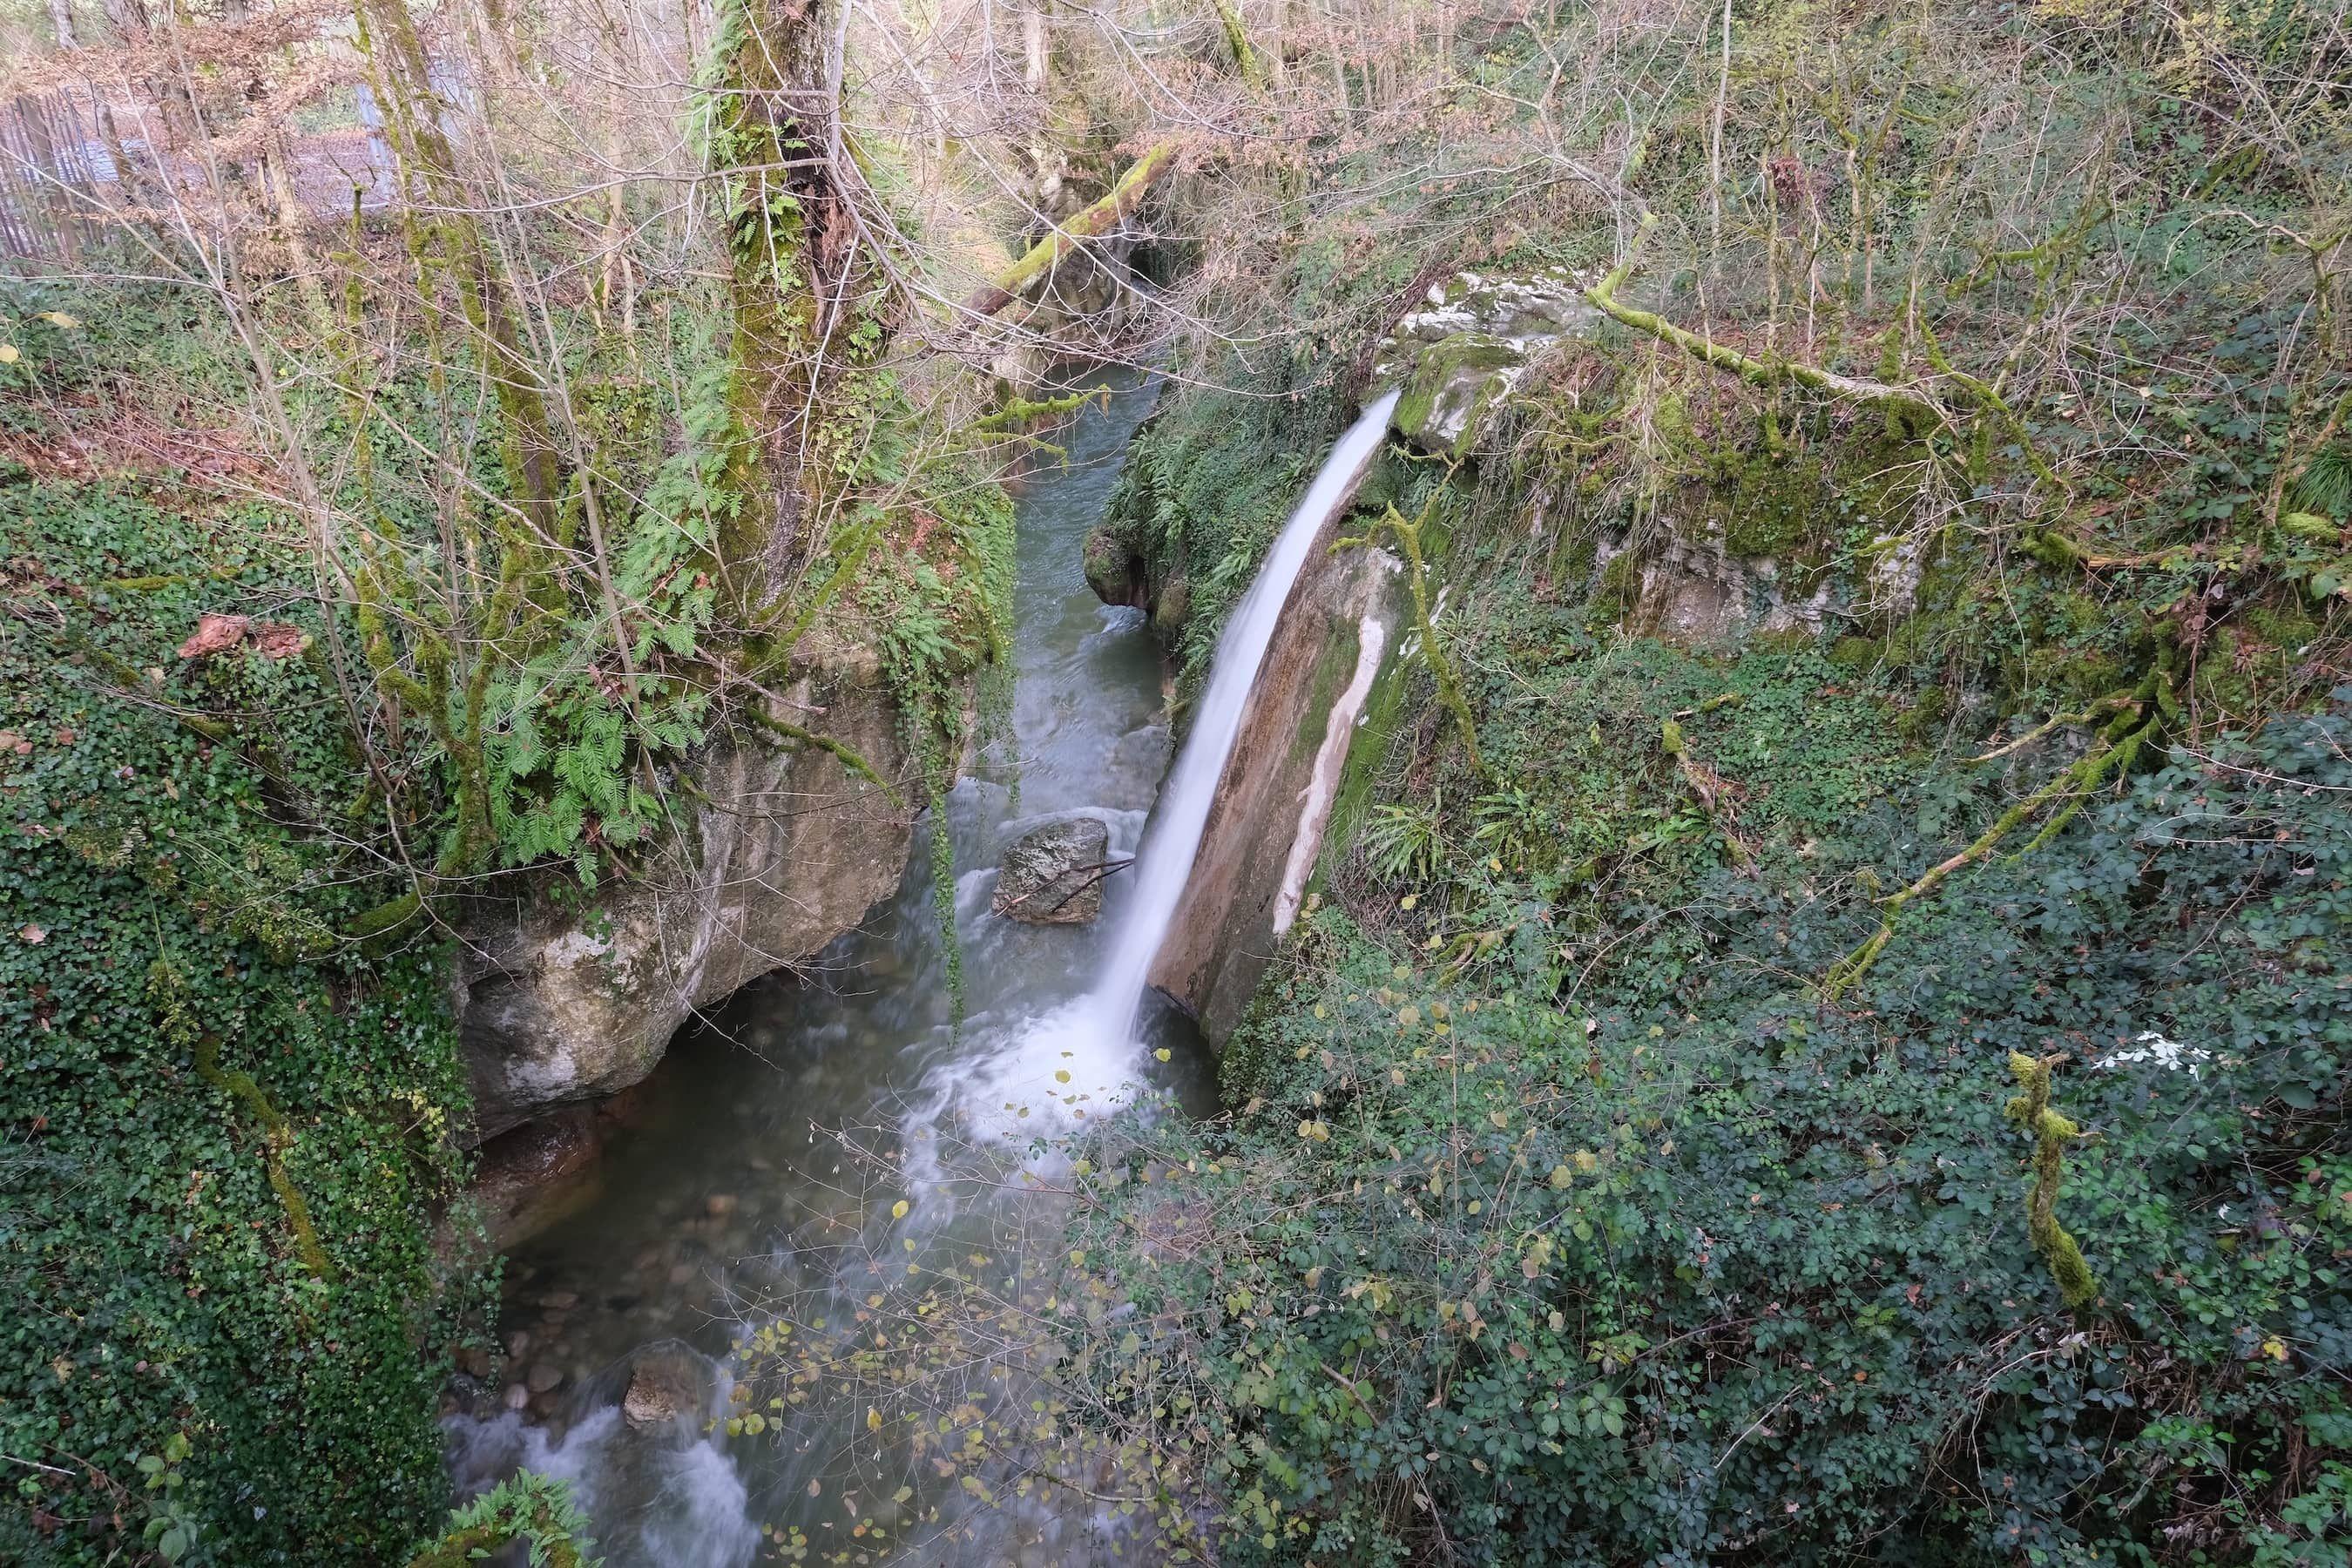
pixel 227 1130
pixel 251 773
pixel 1850 1064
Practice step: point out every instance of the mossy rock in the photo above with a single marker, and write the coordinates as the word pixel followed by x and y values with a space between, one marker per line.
pixel 1173 605
pixel 1115 572
pixel 1769 506
pixel 1617 594
pixel 1451 386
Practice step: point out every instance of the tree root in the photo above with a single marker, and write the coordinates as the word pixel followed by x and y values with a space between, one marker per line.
pixel 1441 666
pixel 845 756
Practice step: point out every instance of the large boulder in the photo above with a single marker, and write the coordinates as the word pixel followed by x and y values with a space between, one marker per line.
pixel 1468 345
pixel 1339 635
pixel 1053 875
pixel 778 848
pixel 1115 572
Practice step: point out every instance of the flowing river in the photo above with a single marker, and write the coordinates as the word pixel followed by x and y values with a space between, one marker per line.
pixel 824 1136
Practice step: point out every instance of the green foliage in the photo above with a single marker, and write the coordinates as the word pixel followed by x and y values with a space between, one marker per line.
pixel 1406 842
pixel 527 1507
pixel 1691 1268
pixel 1207 484
pixel 229 1130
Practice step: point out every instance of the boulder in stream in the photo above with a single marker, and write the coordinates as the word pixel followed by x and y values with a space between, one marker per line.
pixel 1114 570
pixel 1053 875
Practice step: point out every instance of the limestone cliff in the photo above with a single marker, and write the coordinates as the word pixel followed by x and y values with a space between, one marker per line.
pixel 777 849
pixel 1340 631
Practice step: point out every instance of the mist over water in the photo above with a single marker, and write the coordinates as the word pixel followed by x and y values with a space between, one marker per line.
pixel 731 1193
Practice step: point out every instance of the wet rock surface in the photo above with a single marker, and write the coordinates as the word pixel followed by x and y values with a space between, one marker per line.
pixel 1053 875
pixel 1266 825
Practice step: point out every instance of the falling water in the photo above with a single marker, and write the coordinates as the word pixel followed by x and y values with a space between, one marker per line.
pixel 728 1206
pixel 1165 863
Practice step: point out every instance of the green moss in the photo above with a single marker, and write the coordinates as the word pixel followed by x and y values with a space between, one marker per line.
pixel 1858 654
pixel 1787 640
pixel 1335 666
pixel 2285 626
pixel 1616 594
pixel 1929 712
pixel 1444 369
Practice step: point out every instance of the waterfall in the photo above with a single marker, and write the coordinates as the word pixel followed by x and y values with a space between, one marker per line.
pixel 1173 840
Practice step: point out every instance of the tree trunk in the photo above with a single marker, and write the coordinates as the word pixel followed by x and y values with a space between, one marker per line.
pixel 1033 42
pixel 412 116
pixel 61 19
pixel 791 242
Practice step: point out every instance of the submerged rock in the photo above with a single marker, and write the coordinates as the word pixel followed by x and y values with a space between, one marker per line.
pixel 1053 875
pixel 662 1389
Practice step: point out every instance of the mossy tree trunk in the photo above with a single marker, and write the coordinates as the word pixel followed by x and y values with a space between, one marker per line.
pixel 793 248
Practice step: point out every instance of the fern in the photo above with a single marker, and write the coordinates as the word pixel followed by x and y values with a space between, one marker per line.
pixel 1406 843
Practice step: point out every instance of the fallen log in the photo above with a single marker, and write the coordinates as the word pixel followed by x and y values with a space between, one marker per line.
pixel 1121 200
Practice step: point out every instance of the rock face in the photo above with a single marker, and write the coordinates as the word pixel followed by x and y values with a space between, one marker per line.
pixel 1053 875
pixel 1714 573
pixel 1339 632
pixel 531 1177
pixel 1114 571
pixel 780 848
pixel 1469 345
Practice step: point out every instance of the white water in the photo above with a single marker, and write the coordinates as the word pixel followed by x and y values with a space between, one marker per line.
pixel 1165 864
pixel 1093 1042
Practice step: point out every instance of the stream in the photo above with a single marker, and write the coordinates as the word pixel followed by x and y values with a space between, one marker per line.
pixel 808 1160
pixel 727 1186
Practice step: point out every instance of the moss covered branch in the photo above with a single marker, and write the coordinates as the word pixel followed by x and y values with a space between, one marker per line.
pixel 1441 664
pixel 2135 720
pixel 1123 196
pixel 847 756
pixel 1708 786
pixel 1762 373
pixel 1229 16
pixel 2052 1133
